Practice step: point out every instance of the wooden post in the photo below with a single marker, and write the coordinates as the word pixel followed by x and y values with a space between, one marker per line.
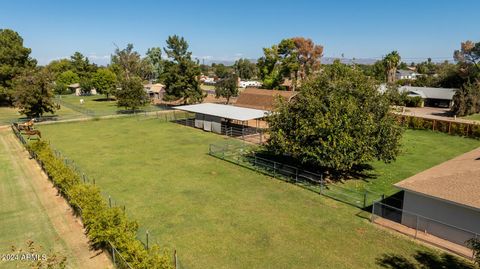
pixel 113 253
pixel 365 199
pixel 147 239
pixel 175 258
pixel 449 126
pixel 110 201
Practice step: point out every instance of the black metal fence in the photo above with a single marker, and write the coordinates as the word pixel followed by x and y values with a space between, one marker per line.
pixel 246 156
pixel 423 228
pixel 118 260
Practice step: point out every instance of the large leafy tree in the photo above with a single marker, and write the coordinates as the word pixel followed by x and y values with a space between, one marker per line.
pixel 64 79
pixel 466 100
pixel 338 120
pixel 181 78
pixel 126 63
pixel 157 64
pixel 33 92
pixel 227 87
pixel 81 65
pixel 14 59
pixel 221 71
pixel 308 54
pixel 131 94
pixel 57 67
pixel 268 67
pixel 391 62
pixel 293 58
pixel 104 81
pixel 245 69
pixel 469 54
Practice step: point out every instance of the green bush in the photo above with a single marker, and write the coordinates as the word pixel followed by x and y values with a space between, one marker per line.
pixel 453 128
pixel 413 101
pixel 103 224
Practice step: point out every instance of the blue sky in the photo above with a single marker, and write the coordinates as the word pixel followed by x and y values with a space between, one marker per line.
pixel 226 30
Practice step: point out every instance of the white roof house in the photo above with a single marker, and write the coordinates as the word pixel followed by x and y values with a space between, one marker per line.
pixel 212 117
pixel 225 111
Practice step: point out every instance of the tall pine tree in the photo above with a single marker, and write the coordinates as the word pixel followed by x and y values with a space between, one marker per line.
pixel 181 78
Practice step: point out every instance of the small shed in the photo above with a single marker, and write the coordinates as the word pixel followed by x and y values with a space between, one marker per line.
pixel 210 117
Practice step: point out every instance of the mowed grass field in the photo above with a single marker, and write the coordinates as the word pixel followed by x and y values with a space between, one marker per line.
pixel 473 117
pixel 9 114
pixel 22 216
pixel 219 215
pixel 100 105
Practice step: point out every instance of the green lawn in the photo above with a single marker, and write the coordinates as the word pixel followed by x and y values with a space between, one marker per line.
pixel 8 114
pixel 219 215
pixel 22 217
pixel 420 150
pixel 99 104
pixel 473 117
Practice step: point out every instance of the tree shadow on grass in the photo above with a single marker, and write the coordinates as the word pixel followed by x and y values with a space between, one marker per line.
pixel 109 99
pixel 423 260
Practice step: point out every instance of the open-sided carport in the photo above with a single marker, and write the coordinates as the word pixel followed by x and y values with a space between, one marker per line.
pixel 210 117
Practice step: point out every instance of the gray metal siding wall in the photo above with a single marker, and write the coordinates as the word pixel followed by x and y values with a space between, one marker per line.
pixel 199 120
pixel 441 211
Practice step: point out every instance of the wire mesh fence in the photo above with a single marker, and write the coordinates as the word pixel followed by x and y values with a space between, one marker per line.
pixel 246 156
pixel 433 231
pixel 118 260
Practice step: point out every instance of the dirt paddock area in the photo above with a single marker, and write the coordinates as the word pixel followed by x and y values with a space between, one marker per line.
pixel 437 113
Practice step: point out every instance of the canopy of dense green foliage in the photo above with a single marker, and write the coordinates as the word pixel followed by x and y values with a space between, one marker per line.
pixel 181 78
pixel 34 92
pixel 14 59
pixel 337 121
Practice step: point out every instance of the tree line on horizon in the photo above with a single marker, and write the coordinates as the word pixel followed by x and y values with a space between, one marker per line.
pixel 284 66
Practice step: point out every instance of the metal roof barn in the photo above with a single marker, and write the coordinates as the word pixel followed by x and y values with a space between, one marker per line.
pixel 225 111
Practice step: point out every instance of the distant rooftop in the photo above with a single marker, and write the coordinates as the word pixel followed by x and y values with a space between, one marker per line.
pixel 261 98
pixel 429 92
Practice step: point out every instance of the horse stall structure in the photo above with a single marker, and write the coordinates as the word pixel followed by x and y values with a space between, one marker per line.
pixel 441 205
pixel 225 119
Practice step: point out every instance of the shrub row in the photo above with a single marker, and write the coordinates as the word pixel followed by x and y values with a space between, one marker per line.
pixel 450 127
pixel 104 225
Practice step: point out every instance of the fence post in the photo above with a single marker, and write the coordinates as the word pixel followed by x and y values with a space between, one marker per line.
pixel 113 254
pixel 274 169
pixel 372 216
pixel 296 174
pixel 110 201
pixel 321 183
pixel 175 258
pixel 365 199
pixel 255 160
pixel 147 238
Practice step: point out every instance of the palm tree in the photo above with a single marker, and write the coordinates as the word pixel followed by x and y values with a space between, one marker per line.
pixel 391 62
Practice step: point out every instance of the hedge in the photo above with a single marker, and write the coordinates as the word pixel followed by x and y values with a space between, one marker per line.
pixel 451 127
pixel 104 225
